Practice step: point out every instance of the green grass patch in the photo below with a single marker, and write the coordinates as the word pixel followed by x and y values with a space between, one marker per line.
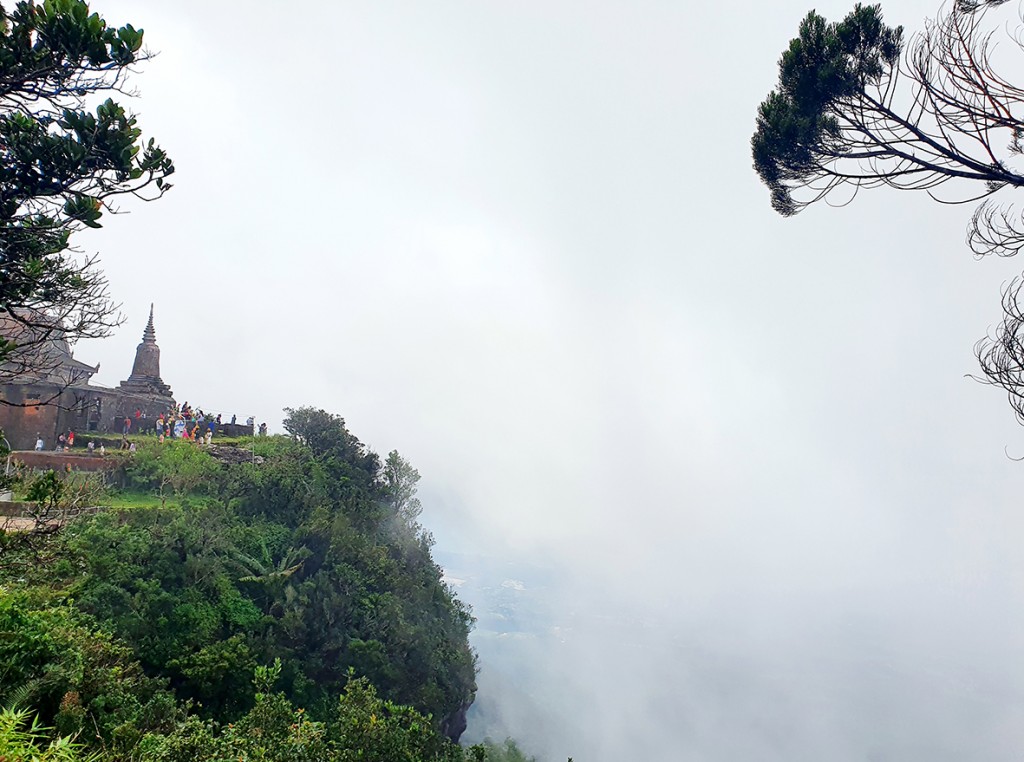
pixel 112 442
pixel 136 500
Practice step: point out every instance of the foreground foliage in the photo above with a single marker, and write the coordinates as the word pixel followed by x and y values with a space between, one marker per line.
pixel 23 738
pixel 75 675
pixel 362 726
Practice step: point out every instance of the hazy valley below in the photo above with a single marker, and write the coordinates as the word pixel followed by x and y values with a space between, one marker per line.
pixel 571 671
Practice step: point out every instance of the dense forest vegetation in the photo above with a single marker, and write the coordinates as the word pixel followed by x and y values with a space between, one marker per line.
pixel 275 600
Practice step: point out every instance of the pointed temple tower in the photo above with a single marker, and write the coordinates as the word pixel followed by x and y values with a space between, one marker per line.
pixel 145 377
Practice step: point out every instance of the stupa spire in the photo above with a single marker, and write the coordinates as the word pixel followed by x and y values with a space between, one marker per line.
pixel 145 377
pixel 149 335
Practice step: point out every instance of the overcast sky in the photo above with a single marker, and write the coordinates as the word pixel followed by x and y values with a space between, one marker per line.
pixel 523 244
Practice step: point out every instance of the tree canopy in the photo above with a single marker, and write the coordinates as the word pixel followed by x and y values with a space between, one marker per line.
pixel 68 150
pixel 399 487
pixel 856 106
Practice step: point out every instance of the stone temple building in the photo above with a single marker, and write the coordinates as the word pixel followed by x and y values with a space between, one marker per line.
pixel 50 392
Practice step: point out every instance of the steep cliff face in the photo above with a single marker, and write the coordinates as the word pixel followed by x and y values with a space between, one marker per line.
pixel 455 724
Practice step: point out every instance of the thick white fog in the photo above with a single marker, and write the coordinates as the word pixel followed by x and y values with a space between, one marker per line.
pixel 742 499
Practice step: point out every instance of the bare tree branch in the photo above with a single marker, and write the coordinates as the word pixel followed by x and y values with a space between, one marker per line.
pixel 1001 355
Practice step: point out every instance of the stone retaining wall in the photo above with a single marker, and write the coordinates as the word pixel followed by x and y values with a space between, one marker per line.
pixel 15 508
pixel 61 461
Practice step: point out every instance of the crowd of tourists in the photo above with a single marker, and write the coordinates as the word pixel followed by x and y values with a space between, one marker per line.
pixel 184 422
pixel 180 422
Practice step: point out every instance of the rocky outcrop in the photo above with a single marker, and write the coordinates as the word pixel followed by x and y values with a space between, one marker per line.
pixel 454 725
pixel 233 455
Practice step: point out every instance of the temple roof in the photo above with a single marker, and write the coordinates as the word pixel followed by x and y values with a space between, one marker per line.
pixel 42 352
